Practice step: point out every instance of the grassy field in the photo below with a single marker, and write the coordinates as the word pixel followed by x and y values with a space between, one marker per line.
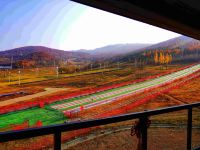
pixel 47 116
pixel 27 76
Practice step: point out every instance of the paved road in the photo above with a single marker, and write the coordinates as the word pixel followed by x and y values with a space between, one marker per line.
pixel 111 95
pixel 29 97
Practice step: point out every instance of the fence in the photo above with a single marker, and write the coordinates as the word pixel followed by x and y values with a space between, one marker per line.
pixel 142 116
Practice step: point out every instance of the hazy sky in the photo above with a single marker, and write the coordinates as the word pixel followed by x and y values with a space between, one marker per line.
pixel 67 25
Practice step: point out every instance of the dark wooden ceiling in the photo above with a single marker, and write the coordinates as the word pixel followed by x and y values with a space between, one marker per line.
pixel 181 16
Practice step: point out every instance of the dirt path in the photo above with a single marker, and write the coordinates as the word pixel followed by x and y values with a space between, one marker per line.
pixel 175 99
pixel 29 97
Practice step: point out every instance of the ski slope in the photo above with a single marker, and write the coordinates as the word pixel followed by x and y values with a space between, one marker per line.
pixel 108 96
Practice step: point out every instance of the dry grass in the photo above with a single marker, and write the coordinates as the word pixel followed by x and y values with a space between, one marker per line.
pixel 158 139
pixel 34 83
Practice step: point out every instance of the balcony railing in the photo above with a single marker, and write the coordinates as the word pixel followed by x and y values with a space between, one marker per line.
pixel 56 130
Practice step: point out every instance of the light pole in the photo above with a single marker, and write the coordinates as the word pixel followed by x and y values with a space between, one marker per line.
pixel 91 66
pixel 36 71
pixel 57 71
pixel 9 77
pixel 75 68
pixel 19 76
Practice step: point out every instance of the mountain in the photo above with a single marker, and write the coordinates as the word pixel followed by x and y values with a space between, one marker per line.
pixel 182 48
pixel 40 55
pixel 31 56
pixel 181 42
pixel 115 50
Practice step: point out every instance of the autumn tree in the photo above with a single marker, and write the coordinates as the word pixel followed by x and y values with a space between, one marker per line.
pixel 156 60
pixel 161 58
pixel 167 58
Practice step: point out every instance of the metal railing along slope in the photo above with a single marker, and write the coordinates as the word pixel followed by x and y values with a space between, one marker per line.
pixel 142 116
